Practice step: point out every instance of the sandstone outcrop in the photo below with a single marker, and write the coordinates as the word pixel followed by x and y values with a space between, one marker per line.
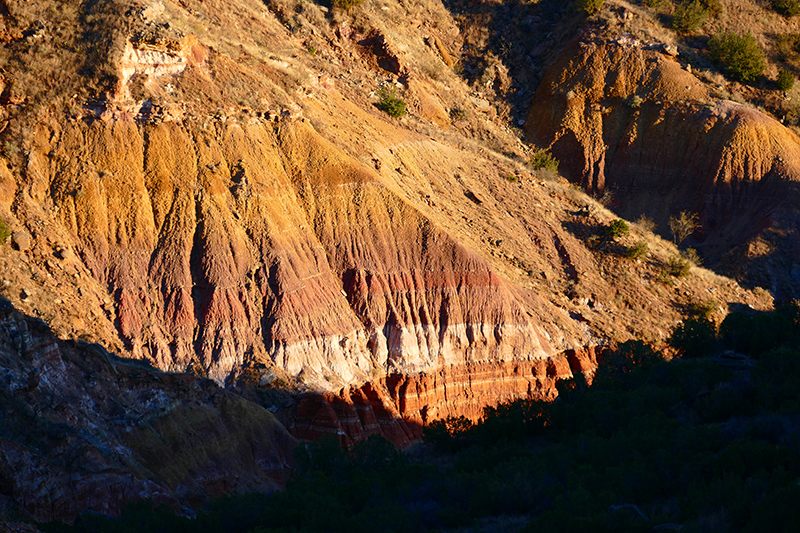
pixel 242 239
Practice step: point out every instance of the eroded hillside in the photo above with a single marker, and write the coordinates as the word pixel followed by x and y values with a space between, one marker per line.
pixel 225 198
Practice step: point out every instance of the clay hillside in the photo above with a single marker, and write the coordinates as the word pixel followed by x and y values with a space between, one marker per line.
pixel 283 219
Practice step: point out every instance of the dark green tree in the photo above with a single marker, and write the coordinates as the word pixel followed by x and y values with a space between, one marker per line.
pixel 740 54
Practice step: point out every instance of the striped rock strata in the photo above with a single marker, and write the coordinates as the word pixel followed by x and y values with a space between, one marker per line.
pixel 400 405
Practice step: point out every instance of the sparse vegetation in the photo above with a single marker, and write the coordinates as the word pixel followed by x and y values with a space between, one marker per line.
pixel 678 267
pixel 694 337
pixel 10 149
pixel 788 46
pixel 691 255
pixel 544 160
pixel 636 251
pixel 741 56
pixel 634 101
pixel 589 7
pixel 651 445
pixel 789 8
pixel 5 232
pixel 346 4
pixel 785 80
pixel 606 199
pixel 682 226
pixel 390 103
pixel 645 223
pixel 714 7
pixel 618 228
pixel 703 309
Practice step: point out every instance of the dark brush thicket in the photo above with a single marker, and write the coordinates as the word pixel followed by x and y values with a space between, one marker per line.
pixel 650 443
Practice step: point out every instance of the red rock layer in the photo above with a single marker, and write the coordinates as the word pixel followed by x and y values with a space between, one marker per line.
pixel 399 406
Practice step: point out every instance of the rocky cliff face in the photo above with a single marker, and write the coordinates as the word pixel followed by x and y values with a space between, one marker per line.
pixel 400 405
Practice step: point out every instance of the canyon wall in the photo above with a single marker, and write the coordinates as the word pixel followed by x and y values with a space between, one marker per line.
pixel 226 242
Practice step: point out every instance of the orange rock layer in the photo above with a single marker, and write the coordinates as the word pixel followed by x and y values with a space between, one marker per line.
pixel 399 406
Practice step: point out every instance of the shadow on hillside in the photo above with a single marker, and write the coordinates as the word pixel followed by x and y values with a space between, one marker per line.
pixel 594 236
pixel 518 36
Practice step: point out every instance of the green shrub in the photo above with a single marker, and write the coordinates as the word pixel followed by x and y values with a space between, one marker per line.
pixel 785 80
pixel 753 333
pixel 714 7
pixel 390 103
pixel 740 54
pixel 346 4
pixel 590 7
pixel 703 309
pixel 689 16
pixel 544 160
pixel 678 267
pixel 790 8
pixel 5 232
pixel 636 251
pixel 618 228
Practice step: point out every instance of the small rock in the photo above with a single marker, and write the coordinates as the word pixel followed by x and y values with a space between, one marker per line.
pixel 670 50
pixel 65 254
pixel 21 240
pixel 24 294
pixel 481 104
